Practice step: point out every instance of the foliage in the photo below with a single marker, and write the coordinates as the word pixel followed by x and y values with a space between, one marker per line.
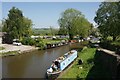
pixel 27 29
pixel 16 25
pixel 0 26
pixel 116 43
pixel 40 43
pixel 108 19
pixel 45 31
pixel 53 31
pixel 1 48
pixel 95 31
pixel 36 42
pixel 28 41
pixel 118 38
pixel 9 53
pixel 109 38
pixel 50 41
pixel 73 22
pixel 110 45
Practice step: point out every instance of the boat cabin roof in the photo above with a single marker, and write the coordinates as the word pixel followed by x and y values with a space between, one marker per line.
pixel 62 58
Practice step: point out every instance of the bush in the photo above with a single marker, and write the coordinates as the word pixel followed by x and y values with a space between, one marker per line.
pixel 109 38
pixel 31 41
pixel 40 43
pixel 37 42
pixel 24 41
pixel 110 45
pixel 28 41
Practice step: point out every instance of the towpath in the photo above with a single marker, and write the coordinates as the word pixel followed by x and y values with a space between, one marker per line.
pixel 11 47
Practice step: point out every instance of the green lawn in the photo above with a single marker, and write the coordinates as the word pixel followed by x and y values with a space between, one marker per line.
pixel 9 53
pixel 50 41
pixel 87 55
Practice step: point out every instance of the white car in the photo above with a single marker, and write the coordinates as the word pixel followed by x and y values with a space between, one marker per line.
pixel 17 43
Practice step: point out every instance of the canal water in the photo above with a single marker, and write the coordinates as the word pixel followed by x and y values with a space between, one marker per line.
pixel 33 64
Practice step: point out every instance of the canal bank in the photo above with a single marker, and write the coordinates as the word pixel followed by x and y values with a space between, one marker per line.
pixel 77 71
pixel 11 50
pixel 34 64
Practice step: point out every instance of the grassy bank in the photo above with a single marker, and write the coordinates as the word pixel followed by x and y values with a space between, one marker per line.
pixel 116 43
pixel 80 71
pixel 50 41
pixel 1 48
pixel 10 53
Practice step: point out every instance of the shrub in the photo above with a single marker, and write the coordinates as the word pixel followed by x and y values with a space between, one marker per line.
pixel 109 38
pixel 24 41
pixel 40 43
pixel 31 41
pixel 28 41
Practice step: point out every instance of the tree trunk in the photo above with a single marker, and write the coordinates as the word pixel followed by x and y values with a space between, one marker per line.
pixel 71 36
pixel 114 38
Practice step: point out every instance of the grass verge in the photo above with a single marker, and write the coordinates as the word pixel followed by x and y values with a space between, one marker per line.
pixel 49 41
pixel 10 53
pixel 116 43
pixel 81 71
pixel 1 48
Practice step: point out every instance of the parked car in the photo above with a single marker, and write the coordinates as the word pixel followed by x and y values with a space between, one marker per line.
pixel 17 42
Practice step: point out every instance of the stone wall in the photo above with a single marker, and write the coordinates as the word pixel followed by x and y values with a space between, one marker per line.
pixel 109 61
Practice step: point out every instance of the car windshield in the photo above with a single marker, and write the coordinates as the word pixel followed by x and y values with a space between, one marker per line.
pixel 16 40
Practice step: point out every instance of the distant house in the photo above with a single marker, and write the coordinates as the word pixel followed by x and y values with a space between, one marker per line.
pixel 1 36
pixel 64 36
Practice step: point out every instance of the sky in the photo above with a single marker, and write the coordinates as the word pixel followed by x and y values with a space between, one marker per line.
pixel 46 14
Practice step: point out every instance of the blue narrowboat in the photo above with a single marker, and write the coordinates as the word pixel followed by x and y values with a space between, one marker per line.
pixel 62 62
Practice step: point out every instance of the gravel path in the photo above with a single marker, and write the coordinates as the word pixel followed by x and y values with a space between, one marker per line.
pixel 11 47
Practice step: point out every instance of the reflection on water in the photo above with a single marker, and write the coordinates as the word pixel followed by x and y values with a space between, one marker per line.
pixel 33 64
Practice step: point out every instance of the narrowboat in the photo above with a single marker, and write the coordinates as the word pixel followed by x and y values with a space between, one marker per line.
pixel 61 63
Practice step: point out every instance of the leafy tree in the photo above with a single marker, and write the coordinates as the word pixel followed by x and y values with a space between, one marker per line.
pixel 40 43
pixel 108 19
pixel 73 22
pixel 0 27
pixel 62 31
pixel 53 31
pixel 94 31
pixel 16 25
pixel 4 26
pixel 27 29
pixel 28 41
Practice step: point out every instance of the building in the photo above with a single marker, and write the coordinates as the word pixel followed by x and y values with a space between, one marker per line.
pixel 1 36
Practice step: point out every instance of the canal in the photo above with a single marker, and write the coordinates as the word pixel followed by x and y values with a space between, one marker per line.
pixel 33 64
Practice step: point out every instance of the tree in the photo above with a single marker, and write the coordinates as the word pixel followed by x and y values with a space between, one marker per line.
pixel 73 22
pixel 27 29
pixel 94 31
pixel 108 19
pixel 52 31
pixel 4 26
pixel 0 27
pixel 16 25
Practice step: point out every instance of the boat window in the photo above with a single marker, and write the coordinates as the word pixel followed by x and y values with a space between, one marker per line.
pixel 68 59
pixel 63 63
